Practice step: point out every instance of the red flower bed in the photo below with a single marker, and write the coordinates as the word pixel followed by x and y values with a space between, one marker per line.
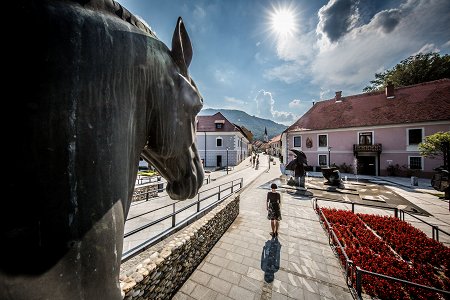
pixel 375 253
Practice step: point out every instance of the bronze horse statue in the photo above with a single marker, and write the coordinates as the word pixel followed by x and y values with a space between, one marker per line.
pixel 96 89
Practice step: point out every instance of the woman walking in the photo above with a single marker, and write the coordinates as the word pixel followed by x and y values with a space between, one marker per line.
pixel 274 209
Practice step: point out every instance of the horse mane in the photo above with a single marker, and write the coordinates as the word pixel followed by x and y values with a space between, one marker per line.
pixel 115 8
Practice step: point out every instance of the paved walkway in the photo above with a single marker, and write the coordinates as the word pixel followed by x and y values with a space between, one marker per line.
pixel 246 263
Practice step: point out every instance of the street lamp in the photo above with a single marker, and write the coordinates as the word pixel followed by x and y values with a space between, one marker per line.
pixel 227 160
pixel 329 154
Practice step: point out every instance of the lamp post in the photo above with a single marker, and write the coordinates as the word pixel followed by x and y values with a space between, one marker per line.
pixel 227 160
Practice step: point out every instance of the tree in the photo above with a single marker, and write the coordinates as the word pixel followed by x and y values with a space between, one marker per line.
pixel 433 146
pixel 413 70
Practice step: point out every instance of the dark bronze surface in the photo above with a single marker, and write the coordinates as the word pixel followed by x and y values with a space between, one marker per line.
pixel 93 89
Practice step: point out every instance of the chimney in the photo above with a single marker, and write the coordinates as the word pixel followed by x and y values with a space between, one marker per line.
pixel 389 90
pixel 338 96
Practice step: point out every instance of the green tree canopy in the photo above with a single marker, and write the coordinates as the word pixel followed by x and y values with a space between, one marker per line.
pixel 413 70
pixel 433 147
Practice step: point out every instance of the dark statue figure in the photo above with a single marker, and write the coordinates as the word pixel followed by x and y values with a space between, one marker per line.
pixel 97 91
pixel 332 175
pixel 298 165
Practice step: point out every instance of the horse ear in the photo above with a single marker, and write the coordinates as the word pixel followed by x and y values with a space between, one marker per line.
pixel 181 47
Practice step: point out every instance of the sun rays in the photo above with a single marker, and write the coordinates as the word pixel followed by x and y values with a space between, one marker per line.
pixel 282 21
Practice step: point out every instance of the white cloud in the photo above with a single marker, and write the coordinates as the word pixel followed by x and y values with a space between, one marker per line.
pixel 287 72
pixel 235 101
pixel 347 57
pixel 428 48
pixel 265 108
pixel 224 76
pixel 294 103
pixel 199 12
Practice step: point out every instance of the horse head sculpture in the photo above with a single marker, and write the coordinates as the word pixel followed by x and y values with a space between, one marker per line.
pixel 98 90
pixel 173 151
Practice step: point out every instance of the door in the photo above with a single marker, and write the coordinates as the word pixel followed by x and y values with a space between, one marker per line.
pixel 366 165
pixel 219 161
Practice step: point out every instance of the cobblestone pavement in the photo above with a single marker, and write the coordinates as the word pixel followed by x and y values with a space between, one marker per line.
pixel 246 263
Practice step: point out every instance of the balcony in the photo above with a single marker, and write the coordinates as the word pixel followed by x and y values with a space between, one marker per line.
pixel 367 148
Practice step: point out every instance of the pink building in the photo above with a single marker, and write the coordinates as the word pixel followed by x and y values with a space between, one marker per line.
pixel 378 132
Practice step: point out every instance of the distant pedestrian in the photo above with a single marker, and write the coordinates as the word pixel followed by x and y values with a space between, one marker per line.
pixel 257 164
pixel 254 158
pixel 274 209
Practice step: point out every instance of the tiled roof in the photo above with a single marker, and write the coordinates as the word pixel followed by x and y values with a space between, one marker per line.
pixel 423 102
pixel 208 123
pixel 275 139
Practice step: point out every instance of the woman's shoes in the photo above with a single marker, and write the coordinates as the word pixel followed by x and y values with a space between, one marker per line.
pixel 276 233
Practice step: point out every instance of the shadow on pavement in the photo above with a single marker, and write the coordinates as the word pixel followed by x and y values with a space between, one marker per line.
pixel 270 259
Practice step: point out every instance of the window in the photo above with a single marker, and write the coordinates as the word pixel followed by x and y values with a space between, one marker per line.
pixel 322 160
pixel 323 140
pixel 414 136
pixel 297 141
pixel 219 125
pixel 365 138
pixel 219 142
pixel 415 162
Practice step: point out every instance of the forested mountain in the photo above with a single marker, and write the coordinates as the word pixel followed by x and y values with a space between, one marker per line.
pixel 254 124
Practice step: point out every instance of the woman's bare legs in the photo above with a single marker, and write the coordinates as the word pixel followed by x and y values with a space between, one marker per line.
pixel 277 224
pixel 272 224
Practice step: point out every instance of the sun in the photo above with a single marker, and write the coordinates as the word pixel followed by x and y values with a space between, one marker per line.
pixel 283 21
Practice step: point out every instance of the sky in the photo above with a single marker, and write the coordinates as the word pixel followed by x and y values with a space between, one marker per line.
pixel 273 59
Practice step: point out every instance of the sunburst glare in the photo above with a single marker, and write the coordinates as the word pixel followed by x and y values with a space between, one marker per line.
pixel 283 21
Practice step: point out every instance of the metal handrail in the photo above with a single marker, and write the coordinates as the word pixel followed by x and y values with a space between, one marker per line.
pixel 348 261
pixel 398 213
pixel 359 271
pixel 435 228
pixel 153 240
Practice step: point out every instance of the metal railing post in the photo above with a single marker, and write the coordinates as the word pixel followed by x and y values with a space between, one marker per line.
pixel 348 265
pixel 396 212
pixel 435 231
pixel 146 196
pixel 198 202
pixel 218 195
pixel 232 185
pixel 173 216
pixel 358 283
pixel 353 207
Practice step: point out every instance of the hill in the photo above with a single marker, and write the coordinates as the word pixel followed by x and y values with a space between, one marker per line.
pixel 254 124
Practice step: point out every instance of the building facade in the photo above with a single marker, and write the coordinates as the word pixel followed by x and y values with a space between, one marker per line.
pixel 221 143
pixel 275 146
pixel 375 133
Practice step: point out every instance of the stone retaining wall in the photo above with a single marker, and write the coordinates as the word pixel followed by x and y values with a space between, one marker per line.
pixel 161 270
pixel 145 191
